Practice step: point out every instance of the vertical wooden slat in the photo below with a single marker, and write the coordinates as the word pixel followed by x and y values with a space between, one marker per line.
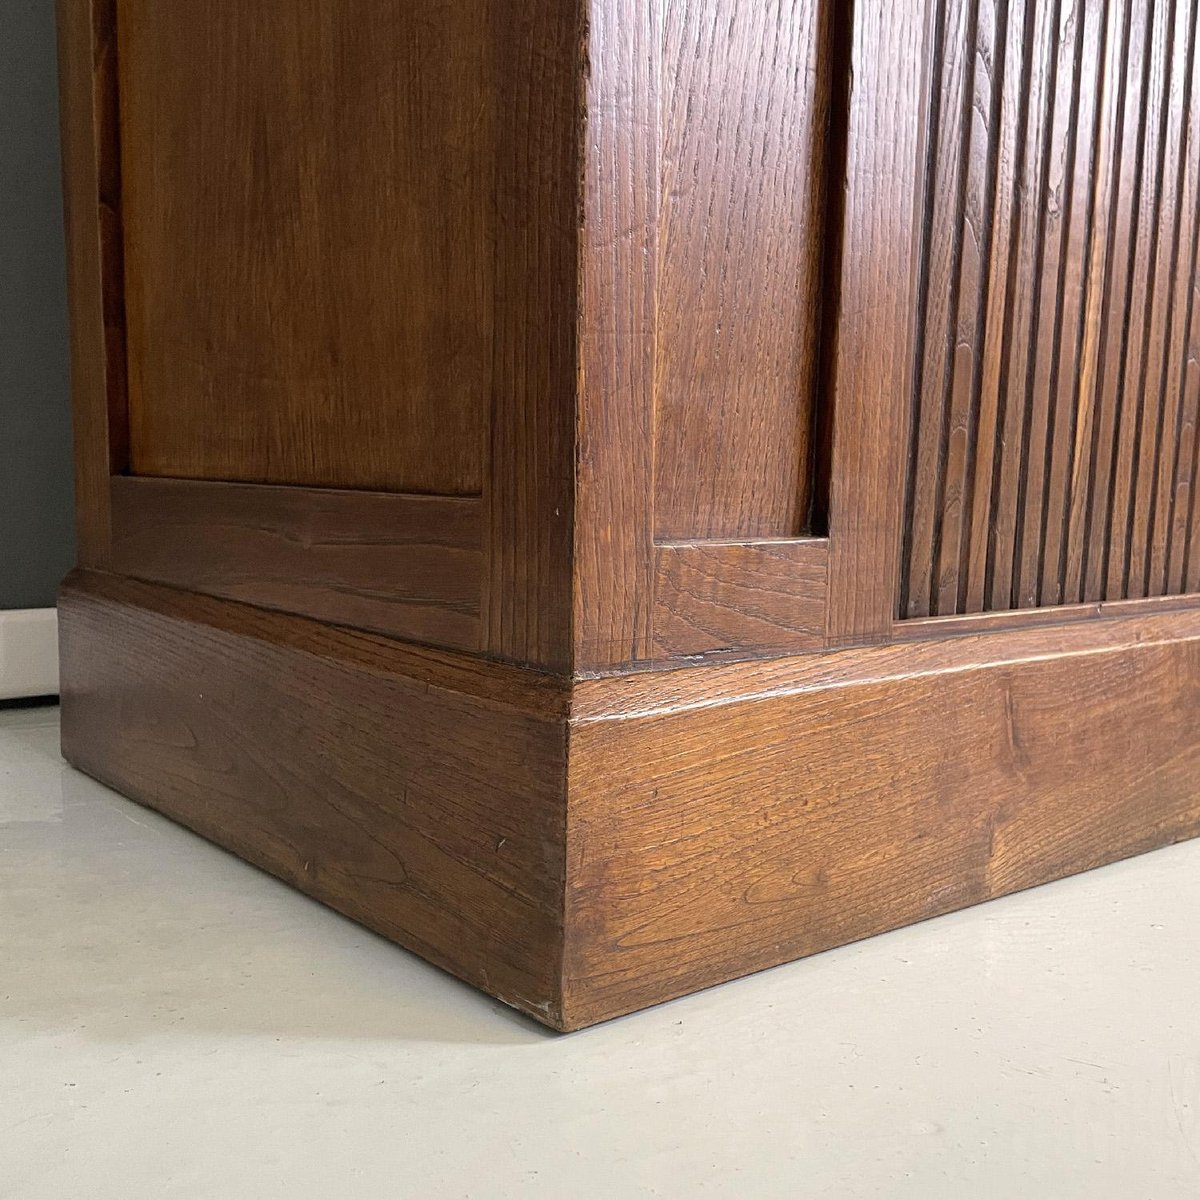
pixel 1018 356
pixel 1002 298
pixel 950 99
pixel 1112 413
pixel 966 356
pixel 1056 218
pixel 1078 284
pixel 1088 410
pixel 1183 496
pixel 1188 445
pixel 1189 566
pixel 1171 398
pixel 1161 305
pixel 1132 430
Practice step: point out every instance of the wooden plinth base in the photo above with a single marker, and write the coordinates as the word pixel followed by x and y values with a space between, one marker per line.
pixel 584 849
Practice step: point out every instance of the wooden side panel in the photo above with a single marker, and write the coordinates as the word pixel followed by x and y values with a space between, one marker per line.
pixel 1054 437
pixel 408 566
pixel 421 795
pixel 92 181
pixel 352 250
pixel 311 236
pixel 743 123
pixel 727 819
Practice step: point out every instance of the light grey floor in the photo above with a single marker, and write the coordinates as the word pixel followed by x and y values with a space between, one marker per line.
pixel 175 1024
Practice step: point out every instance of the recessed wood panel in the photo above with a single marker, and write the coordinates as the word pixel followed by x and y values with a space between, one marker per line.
pixel 743 116
pixel 310 237
pixel 1054 444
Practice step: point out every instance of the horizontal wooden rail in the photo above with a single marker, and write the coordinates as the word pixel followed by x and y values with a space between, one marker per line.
pixel 409 566
pixel 753 596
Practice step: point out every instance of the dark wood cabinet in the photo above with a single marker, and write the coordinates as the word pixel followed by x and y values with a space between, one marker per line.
pixel 615 495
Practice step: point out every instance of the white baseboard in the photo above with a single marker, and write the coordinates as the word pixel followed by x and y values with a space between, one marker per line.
pixel 28 653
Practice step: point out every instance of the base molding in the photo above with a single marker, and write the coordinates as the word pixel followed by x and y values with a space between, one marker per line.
pixel 582 849
pixel 419 793
pixel 28 653
pixel 718 829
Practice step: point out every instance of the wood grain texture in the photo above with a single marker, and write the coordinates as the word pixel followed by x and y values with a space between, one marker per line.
pixel 743 123
pixel 584 849
pixel 701 303
pixel 640 146
pixel 409 566
pixel 435 286
pixel 731 821
pixel 537 73
pixel 92 181
pixel 1053 436
pixel 870 367
pixel 713 597
pixel 1178 215
pixel 420 794
pixel 622 287
pixel 613 565
pixel 311 236
pixel 996 638
pixel 1010 620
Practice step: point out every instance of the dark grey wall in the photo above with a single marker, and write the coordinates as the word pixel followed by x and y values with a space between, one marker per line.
pixel 36 539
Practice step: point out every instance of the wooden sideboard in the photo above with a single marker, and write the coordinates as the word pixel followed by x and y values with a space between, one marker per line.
pixel 618 494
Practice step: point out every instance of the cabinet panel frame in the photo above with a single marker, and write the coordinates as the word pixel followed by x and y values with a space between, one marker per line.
pixel 623 600
pixel 519 571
